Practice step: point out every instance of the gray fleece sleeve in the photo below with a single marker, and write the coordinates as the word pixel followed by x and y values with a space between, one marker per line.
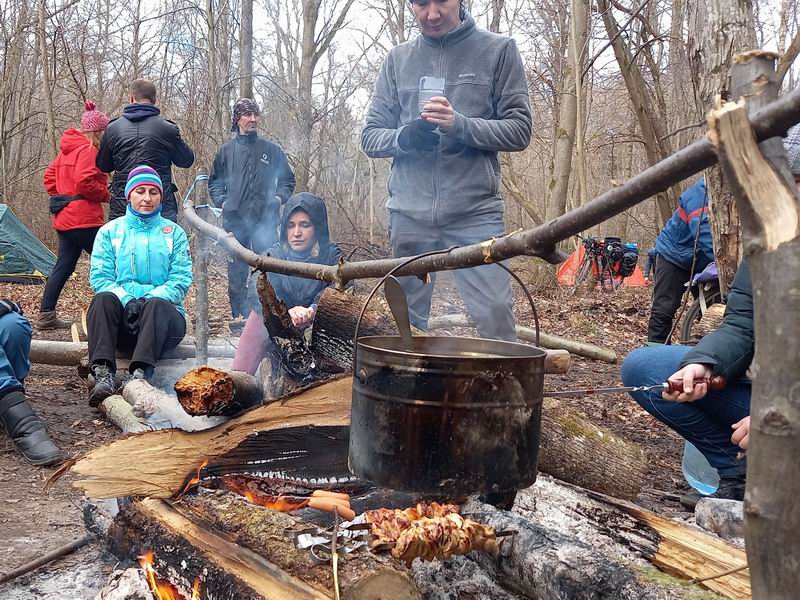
pixel 379 136
pixel 510 131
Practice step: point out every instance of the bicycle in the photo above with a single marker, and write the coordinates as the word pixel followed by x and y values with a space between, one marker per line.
pixel 599 258
pixel 705 288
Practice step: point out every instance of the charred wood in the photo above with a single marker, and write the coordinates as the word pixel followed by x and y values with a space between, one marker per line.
pixel 214 392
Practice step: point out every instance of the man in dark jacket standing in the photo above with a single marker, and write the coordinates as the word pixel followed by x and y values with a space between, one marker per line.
pixel 142 137
pixel 444 188
pixel 683 247
pixel 250 180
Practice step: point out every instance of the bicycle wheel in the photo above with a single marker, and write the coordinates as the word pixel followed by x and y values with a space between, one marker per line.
pixel 582 273
pixel 691 326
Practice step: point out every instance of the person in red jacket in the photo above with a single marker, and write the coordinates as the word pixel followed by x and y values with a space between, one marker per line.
pixel 77 190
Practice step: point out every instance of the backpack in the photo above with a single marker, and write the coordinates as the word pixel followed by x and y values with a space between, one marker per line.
pixel 627 262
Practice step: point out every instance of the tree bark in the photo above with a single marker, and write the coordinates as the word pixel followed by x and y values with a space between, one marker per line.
pixel 770 213
pixel 246 50
pixel 240 550
pixel 44 56
pixel 718 29
pixel 568 110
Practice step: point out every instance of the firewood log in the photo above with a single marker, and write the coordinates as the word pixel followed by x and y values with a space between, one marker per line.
pixel 256 537
pixel 335 325
pixel 209 391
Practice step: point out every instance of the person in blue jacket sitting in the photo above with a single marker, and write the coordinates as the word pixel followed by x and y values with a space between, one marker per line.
pixel 676 255
pixel 140 273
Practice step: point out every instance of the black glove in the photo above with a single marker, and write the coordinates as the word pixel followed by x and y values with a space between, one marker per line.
pixel 418 135
pixel 131 314
pixel 7 306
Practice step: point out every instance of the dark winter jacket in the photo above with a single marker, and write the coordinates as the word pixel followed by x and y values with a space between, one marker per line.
pixel 486 85
pixel 650 263
pixel 675 243
pixel 729 349
pixel 74 173
pixel 141 137
pixel 251 177
pixel 298 291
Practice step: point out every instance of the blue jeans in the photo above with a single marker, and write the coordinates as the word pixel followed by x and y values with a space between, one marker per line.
pixel 706 423
pixel 15 348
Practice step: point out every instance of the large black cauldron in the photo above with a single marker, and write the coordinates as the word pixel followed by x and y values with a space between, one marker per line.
pixel 452 416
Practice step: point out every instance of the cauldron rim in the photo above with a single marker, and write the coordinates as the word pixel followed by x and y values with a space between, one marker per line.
pixel 520 350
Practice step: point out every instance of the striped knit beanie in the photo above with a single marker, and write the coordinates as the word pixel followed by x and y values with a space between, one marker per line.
pixel 142 175
pixel 791 143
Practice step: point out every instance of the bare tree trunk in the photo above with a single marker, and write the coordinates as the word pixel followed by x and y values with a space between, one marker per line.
pixel 568 113
pixel 718 29
pixel 246 50
pixel 44 56
pixel 651 123
pixel 770 215
pixel 497 13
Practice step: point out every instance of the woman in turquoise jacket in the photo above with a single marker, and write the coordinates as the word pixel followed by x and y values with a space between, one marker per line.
pixel 140 273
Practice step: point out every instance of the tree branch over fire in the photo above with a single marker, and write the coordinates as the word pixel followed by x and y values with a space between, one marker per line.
pixel 772 120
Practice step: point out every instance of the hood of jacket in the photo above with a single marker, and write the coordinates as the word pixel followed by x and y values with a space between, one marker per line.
pixel 316 209
pixel 71 140
pixel 140 111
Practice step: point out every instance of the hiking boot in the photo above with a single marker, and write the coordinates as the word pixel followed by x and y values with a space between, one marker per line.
pixel 730 488
pixel 48 319
pixel 105 385
pixel 27 432
pixel 145 374
pixel 236 326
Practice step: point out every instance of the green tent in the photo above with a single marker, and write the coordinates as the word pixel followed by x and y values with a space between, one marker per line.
pixel 23 258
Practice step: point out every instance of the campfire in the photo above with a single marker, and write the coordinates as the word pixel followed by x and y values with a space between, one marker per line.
pixel 161 588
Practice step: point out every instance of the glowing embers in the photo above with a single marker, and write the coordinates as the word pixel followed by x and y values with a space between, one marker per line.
pixel 258 492
pixel 162 589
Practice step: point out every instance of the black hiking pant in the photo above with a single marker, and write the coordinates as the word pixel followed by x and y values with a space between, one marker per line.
pixel 258 237
pixel 70 245
pixel 668 289
pixel 161 327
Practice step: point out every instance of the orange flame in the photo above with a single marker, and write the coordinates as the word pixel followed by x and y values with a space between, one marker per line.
pixel 193 481
pixel 163 590
pixel 239 485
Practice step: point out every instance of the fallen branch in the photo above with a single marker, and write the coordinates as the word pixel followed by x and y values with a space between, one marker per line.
pixel 47 558
pixel 774 119
pixel 75 354
pixel 529 335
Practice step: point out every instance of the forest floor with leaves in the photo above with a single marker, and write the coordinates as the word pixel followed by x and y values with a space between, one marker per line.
pixel 33 522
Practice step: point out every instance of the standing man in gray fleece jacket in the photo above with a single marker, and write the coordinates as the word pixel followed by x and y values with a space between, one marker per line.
pixel 444 187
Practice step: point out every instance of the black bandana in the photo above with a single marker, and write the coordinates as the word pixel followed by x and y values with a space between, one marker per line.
pixel 241 107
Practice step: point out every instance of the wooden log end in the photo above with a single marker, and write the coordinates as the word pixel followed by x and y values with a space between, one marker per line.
pixel 205 391
pixel 748 55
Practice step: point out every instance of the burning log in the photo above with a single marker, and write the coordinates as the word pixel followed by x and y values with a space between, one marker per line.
pixel 209 391
pixel 335 327
pixel 241 550
pixel 157 463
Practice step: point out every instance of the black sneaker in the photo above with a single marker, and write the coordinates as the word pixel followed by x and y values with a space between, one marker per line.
pixel 730 488
pixel 104 385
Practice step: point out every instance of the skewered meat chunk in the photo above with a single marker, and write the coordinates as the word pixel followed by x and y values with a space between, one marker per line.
pixel 428 531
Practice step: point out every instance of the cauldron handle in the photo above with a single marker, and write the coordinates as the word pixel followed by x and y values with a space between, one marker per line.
pixel 433 253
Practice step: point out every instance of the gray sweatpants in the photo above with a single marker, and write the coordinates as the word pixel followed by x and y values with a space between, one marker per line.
pixel 486 290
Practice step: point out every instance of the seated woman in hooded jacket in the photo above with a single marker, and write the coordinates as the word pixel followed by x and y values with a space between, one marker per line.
pixel 304 237
pixel 140 272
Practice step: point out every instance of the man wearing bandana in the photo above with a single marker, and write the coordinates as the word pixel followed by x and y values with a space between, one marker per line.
pixel 250 180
